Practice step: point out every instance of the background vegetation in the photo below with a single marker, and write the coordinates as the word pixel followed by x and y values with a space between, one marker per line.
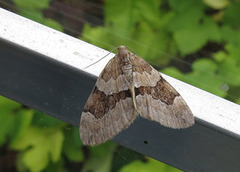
pixel 196 41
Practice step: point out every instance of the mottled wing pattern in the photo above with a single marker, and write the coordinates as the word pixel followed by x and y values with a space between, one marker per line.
pixel 156 99
pixel 129 86
pixel 109 108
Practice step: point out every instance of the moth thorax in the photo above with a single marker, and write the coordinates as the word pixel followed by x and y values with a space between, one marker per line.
pixel 126 64
pixel 127 70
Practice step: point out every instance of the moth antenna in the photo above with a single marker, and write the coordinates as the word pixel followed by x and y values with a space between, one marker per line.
pixel 131 50
pixel 101 58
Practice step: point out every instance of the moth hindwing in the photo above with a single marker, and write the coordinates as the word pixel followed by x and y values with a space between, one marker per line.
pixel 128 86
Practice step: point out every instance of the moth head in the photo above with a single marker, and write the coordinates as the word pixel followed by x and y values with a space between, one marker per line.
pixel 122 50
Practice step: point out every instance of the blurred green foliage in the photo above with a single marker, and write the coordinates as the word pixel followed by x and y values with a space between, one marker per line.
pixel 33 10
pixel 206 33
pixel 150 165
pixel 196 41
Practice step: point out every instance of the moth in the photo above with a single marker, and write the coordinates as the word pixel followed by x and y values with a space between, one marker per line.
pixel 127 87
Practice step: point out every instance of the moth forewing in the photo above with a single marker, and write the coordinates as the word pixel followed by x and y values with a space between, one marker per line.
pixel 157 99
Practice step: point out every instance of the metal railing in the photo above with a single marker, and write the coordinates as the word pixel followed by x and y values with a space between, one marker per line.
pixel 43 69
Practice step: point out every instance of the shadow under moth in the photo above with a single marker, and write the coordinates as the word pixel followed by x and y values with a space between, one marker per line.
pixel 127 87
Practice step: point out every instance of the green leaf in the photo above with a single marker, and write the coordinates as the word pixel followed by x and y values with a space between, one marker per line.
pixel 230 35
pixel 229 65
pixel 32 14
pixel 187 19
pixel 101 158
pixel 193 38
pixel 39 146
pixel 157 43
pixel 231 15
pixel 13 119
pixel 124 156
pixel 191 28
pixel 36 15
pixel 33 10
pixel 183 5
pixel 127 24
pixel 205 75
pixel 189 40
pixel 59 166
pixel 95 35
pixel 35 160
pixel 7 118
pixel 150 166
pixel 53 24
pixel 72 146
pixel 125 14
pixel 217 4
pixel 42 120
pixel 32 4
pixel 22 122
pixel 173 72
